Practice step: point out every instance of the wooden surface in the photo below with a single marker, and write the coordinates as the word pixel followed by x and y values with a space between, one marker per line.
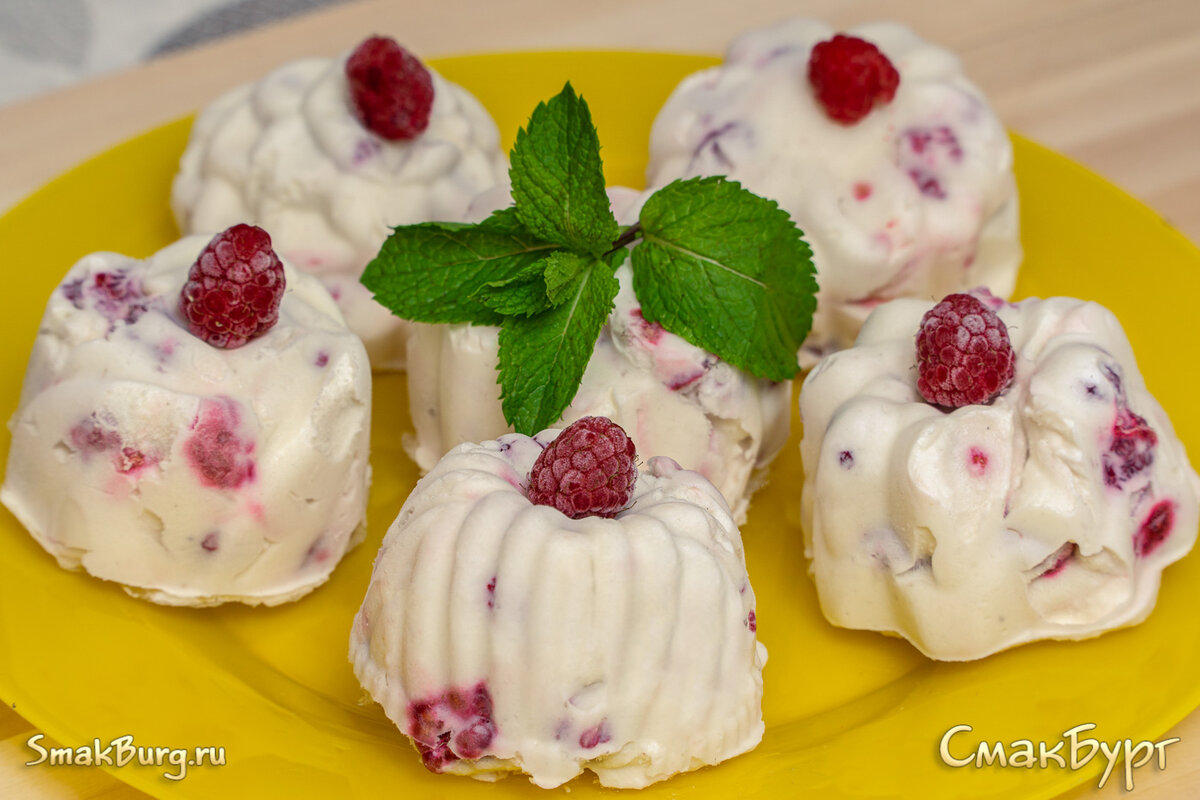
pixel 1110 83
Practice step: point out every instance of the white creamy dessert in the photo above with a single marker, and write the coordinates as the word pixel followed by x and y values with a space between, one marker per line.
pixel 1049 513
pixel 916 199
pixel 503 636
pixel 190 474
pixel 673 398
pixel 289 154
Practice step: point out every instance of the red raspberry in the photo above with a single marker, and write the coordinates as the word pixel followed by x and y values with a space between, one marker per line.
pixel 233 290
pixel 391 90
pixel 850 75
pixel 963 353
pixel 588 471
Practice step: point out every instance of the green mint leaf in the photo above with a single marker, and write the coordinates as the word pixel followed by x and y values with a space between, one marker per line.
pixel 505 220
pixel 563 267
pixel 616 258
pixel 542 358
pixel 558 178
pixel 562 270
pixel 431 272
pixel 523 295
pixel 728 271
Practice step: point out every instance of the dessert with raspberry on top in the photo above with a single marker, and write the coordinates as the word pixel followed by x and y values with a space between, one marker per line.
pixel 980 474
pixel 542 606
pixel 194 426
pixel 884 154
pixel 675 398
pixel 328 154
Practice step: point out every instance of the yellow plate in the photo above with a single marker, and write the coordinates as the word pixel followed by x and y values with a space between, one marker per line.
pixel 848 713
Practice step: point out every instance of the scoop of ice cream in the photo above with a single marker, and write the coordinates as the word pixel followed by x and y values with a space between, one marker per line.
pixel 916 199
pixel 504 636
pixel 1049 513
pixel 190 474
pixel 289 154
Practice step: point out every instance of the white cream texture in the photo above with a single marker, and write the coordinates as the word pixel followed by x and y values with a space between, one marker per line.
pixel 189 474
pixel 917 199
pixel 288 154
pixel 1049 513
pixel 625 646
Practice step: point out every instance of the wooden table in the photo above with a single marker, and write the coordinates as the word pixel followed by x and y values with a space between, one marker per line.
pixel 1110 83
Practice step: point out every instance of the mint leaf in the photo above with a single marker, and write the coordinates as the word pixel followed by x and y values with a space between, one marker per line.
pixel 562 268
pixel 523 295
pixel 728 271
pixel 431 272
pixel 558 178
pixel 505 220
pixel 542 358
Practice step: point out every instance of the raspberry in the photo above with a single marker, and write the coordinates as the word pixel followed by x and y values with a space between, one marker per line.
pixel 390 89
pixel 1154 529
pixel 1132 447
pixel 588 471
pixel 233 290
pixel 455 724
pixel 850 75
pixel 963 353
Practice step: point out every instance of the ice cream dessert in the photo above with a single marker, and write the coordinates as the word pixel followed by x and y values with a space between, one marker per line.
pixel 885 155
pixel 327 154
pixel 674 398
pixel 502 635
pixel 173 438
pixel 1045 504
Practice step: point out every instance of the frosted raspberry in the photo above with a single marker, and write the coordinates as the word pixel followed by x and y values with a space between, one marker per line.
pixel 390 89
pixel 850 75
pixel 588 471
pixel 963 353
pixel 233 290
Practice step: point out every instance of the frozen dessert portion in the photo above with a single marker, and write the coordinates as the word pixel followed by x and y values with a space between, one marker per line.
pixel 968 524
pixel 504 636
pixel 884 154
pixel 674 398
pixel 328 154
pixel 225 462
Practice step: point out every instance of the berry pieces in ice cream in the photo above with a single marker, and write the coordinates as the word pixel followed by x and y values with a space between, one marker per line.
pixel 150 451
pixel 503 636
pixel 1050 512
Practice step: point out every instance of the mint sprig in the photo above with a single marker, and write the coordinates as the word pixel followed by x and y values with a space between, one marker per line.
pixel 713 263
